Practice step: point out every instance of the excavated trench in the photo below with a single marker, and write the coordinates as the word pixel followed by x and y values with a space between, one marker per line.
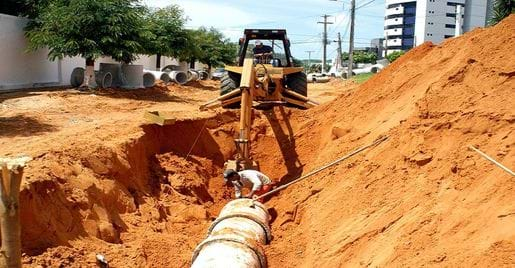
pixel 153 194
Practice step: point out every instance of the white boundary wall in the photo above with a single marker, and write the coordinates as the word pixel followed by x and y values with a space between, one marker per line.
pixel 19 69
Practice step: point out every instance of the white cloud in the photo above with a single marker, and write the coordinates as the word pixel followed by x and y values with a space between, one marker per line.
pixel 209 14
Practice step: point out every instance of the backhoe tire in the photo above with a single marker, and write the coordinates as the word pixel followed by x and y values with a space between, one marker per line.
pixel 298 82
pixel 228 83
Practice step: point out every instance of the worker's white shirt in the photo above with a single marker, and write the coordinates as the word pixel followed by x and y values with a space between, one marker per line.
pixel 251 179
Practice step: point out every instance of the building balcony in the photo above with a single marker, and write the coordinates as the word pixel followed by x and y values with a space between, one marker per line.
pixel 394 42
pixel 396 21
pixel 393 32
pixel 394 11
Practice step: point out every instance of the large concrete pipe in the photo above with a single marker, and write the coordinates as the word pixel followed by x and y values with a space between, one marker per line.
pixel 116 72
pixel 236 237
pixel 103 79
pixel 132 76
pixel 149 80
pixel 158 75
pixel 77 77
pixel 203 75
pixel 171 67
pixel 179 77
pixel 193 75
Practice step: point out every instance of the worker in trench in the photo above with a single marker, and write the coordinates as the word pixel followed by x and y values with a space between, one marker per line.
pixel 257 182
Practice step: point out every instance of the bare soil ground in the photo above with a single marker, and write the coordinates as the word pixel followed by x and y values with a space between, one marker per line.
pixel 102 181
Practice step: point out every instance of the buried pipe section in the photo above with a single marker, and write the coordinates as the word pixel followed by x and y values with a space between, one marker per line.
pixel 236 237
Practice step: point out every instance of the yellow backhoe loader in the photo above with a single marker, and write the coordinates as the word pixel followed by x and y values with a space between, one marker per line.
pixel 263 77
pixel 260 80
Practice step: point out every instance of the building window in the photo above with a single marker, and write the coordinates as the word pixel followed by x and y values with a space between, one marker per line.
pixel 410 10
pixel 409 20
pixel 451 15
pixel 455 4
pixel 409 31
pixel 450 26
pixel 448 36
pixel 407 42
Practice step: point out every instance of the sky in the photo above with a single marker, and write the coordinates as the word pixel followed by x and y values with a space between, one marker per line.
pixel 299 17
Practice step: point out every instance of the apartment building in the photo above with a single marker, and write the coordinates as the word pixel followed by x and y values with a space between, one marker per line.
pixel 409 23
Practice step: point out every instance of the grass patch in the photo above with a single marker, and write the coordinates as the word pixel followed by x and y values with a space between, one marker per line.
pixel 362 78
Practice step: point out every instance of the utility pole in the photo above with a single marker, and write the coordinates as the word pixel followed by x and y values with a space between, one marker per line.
pixel 309 57
pixel 324 59
pixel 386 44
pixel 339 50
pixel 351 41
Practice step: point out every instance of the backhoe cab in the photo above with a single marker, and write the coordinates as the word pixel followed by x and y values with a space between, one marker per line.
pixel 261 80
pixel 274 79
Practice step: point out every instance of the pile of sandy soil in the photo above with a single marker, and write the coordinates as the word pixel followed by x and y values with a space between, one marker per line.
pixel 421 198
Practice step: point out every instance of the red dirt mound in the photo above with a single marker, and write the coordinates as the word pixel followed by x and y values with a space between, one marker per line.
pixel 422 197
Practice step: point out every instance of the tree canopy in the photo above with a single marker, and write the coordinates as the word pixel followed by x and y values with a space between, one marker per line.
pixel 210 47
pixel 501 10
pixel 361 57
pixel 164 32
pixel 394 55
pixel 88 28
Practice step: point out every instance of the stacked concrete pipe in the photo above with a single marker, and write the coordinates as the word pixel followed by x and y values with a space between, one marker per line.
pixel 116 72
pixel 77 77
pixel 193 75
pixel 150 77
pixel 178 77
pixel 104 79
pixel 203 75
pixel 236 237
pixel 132 76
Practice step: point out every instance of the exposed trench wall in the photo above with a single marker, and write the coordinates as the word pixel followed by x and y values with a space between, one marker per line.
pixel 86 195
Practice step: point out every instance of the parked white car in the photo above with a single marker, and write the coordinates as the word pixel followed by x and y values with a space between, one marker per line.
pixel 318 78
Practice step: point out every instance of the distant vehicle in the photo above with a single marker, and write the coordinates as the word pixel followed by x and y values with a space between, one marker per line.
pixel 318 78
pixel 218 73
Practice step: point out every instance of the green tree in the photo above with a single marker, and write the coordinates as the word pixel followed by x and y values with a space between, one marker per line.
pixel 165 33
pixel 364 57
pixel 502 9
pixel 210 47
pixel 90 29
pixel 394 55
pixel 360 57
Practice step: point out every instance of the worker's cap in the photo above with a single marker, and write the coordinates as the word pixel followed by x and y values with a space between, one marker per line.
pixel 258 43
pixel 229 173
